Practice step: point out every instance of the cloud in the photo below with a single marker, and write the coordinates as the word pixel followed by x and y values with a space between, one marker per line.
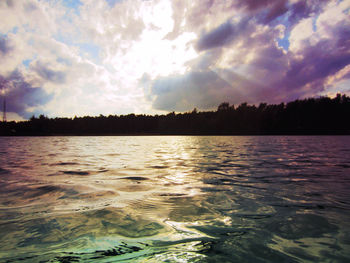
pixel 202 89
pixel 274 10
pixel 303 9
pixel 259 12
pixel 241 61
pixel 218 37
pixel 318 62
pixel 184 92
pixel 265 10
pixel 48 74
pixel 5 46
pixel 21 97
pixel 319 50
pixel 253 5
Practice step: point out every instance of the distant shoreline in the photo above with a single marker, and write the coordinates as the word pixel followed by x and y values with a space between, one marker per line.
pixel 320 116
pixel 155 135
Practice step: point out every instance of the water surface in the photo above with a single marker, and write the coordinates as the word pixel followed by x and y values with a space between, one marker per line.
pixel 175 199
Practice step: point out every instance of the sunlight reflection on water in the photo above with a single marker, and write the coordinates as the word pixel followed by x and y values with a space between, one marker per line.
pixel 175 198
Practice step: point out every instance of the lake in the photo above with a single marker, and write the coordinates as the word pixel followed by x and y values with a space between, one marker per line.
pixel 175 199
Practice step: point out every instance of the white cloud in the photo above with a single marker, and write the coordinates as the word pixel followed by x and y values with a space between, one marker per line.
pixel 333 14
pixel 310 31
pixel 302 35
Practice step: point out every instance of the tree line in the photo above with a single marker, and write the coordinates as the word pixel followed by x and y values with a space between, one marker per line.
pixel 322 115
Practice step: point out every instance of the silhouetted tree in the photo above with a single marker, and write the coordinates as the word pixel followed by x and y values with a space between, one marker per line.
pixel 224 106
pixel 309 116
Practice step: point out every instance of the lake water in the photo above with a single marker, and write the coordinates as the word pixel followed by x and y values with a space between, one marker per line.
pixel 175 199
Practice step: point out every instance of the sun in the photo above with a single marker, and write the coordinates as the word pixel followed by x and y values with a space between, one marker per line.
pixel 153 53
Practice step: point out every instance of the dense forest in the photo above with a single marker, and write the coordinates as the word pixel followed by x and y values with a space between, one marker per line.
pixel 309 116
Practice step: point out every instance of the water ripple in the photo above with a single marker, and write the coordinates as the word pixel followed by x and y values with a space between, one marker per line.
pixel 157 199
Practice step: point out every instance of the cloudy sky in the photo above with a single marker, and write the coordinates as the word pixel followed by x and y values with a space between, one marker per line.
pixel 89 57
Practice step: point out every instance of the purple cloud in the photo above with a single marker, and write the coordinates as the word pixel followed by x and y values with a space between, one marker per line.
pixel 216 38
pixel 304 8
pixel 5 46
pixel 303 73
pixel 319 62
pixel 48 74
pixel 20 95
pixel 275 10
pixel 9 3
pixel 267 10
pixel 279 75
pixel 254 5
pixel 222 35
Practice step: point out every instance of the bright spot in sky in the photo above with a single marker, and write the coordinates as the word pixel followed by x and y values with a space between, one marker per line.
pixel 67 58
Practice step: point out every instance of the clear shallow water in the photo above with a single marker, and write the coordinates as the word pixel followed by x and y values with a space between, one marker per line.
pixel 175 199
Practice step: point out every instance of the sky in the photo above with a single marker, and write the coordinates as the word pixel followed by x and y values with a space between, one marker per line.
pixel 66 58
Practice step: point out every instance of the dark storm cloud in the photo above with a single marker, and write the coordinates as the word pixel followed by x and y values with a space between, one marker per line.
pixel 266 11
pixel 48 74
pixel 300 10
pixel 275 11
pixel 253 4
pixel 319 62
pixel 20 95
pixel 5 46
pixel 222 35
pixel 305 8
pixel 216 38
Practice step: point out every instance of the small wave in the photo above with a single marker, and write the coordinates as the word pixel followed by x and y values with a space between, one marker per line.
pixel 166 250
pixel 112 154
pixel 303 226
pixel 42 190
pixel 122 252
pixel 4 171
pixel 304 206
pixel 159 166
pixel 220 181
pixel 65 163
pixel 172 194
pixel 344 165
pixel 253 216
pixel 212 189
pixel 76 172
pixel 215 231
pixel 98 194
pixel 136 178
